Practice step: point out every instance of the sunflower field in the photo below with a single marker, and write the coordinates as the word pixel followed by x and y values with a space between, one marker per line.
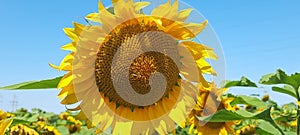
pixel 135 70
pixel 236 114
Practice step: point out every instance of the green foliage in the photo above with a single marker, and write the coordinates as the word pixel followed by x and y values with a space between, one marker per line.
pixel 291 82
pixel 286 89
pixel 227 115
pixel 266 116
pixel 244 82
pixel 265 128
pixel 253 101
pixel 61 123
pixel 280 77
pixel 42 84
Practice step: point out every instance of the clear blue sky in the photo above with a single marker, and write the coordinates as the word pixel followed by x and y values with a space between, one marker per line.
pixel 257 37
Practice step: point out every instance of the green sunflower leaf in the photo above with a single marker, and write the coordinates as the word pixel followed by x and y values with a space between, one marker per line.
pixel 287 89
pixel 265 128
pixel 17 121
pixel 227 115
pixel 292 82
pixel 63 130
pixel 244 82
pixel 253 101
pixel 42 84
pixel 280 77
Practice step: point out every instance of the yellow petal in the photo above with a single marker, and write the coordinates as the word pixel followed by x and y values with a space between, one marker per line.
pixel 101 6
pixel 66 80
pixel 70 32
pixel 185 31
pixel 173 11
pixel 66 63
pixel 69 99
pixel 205 67
pixel 162 129
pixel 69 89
pixel 69 47
pixel 122 128
pixel 162 10
pixel 95 17
pixel 53 66
pixel 223 131
pixel 78 27
pixel 184 14
pixel 119 6
pixel 174 7
pixel 189 67
pixel 178 114
pixel 196 28
pixel 199 50
pixel 105 123
pixel 108 20
pixel 140 5
pixel 203 82
pixel 4 124
pixel 82 116
pixel 124 10
pixel 114 1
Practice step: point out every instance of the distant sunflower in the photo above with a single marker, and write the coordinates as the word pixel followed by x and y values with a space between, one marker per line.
pixel 22 130
pixel 208 102
pixel 130 47
pixel 45 129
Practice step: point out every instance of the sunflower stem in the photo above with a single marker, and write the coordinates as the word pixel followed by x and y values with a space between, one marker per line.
pixel 298 121
pixel 298 111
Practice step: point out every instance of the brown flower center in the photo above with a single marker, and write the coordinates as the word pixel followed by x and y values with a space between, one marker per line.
pixel 142 67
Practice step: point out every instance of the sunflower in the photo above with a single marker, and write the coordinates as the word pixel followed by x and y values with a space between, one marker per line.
pixel 5 121
pixel 247 130
pixel 134 72
pixel 45 129
pixel 75 125
pixel 22 130
pixel 208 102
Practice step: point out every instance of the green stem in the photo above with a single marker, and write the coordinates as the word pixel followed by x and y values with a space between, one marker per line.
pixel 298 121
pixel 298 112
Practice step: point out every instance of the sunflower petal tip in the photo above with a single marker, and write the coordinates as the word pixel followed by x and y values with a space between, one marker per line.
pixel 53 66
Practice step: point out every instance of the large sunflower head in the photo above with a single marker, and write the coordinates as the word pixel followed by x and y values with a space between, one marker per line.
pixel 135 72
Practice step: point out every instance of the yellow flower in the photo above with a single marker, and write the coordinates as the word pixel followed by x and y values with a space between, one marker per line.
pixel 247 130
pixel 208 102
pixel 293 123
pixel 76 126
pixel 113 67
pixel 4 124
pixel 51 130
pixel 4 115
pixel 64 115
pixel 5 121
pixel 43 127
pixel 22 130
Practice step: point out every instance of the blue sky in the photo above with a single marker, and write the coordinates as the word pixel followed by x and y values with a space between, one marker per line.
pixel 257 37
